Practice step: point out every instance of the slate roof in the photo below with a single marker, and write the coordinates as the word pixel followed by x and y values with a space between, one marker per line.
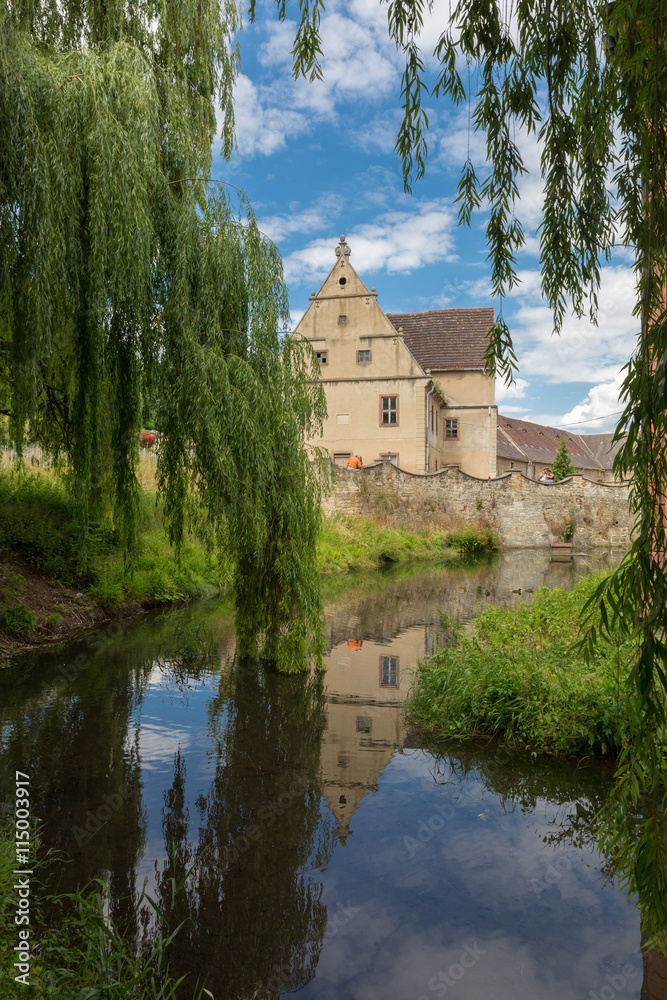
pixel 600 445
pixel 539 444
pixel 446 338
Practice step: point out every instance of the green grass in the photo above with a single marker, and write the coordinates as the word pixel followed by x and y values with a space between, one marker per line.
pixel 83 955
pixel 38 523
pixel 18 621
pixel 360 543
pixel 514 675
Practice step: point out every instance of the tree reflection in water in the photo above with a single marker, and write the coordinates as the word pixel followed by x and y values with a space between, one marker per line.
pixel 255 921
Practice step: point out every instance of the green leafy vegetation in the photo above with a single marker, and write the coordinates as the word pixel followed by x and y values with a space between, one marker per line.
pixel 562 466
pixel 85 953
pixel 357 543
pixel 18 620
pixel 38 522
pixel 514 674
pixel 157 296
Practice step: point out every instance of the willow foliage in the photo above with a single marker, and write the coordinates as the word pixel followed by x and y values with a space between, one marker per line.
pixel 127 280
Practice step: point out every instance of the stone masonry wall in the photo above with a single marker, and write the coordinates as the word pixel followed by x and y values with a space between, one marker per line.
pixel 523 512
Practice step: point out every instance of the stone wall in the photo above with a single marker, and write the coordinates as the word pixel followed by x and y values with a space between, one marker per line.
pixel 523 512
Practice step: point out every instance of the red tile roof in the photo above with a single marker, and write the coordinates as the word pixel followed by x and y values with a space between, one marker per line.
pixel 446 338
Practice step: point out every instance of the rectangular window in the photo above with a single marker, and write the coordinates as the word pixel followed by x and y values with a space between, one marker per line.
pixel 388 671
pixel 363 357
pixel 451 429
pixel 390 456
pixel 364 724
pixel 322 357
pixel 389 411
pixel 341 457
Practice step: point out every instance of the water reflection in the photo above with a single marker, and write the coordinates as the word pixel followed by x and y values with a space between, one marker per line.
pixel 329 854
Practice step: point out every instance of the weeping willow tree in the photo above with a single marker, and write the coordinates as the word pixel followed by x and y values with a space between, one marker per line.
pixel 125 276
pixel 587 79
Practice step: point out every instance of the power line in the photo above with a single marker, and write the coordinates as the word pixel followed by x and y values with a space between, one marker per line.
pixel 591 419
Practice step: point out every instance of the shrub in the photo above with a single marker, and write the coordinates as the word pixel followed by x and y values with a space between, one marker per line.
pixel 515 674
pixel 108 594
pixel 473 540
pixel 18 621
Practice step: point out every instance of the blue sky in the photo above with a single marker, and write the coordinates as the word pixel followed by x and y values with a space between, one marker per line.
pixel 317 161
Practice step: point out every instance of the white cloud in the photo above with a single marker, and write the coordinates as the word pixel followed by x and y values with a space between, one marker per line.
pixel 301 220
pixel 359 64
pixel 598 411
pixel 398 241
pixel 583 352
pixel 516 411
pixel 259 128
pixel 295 316
pixel 517 390
pixel 379 133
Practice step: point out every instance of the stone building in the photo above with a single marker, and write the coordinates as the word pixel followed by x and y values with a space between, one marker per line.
pixel 411 388
pixel 528 448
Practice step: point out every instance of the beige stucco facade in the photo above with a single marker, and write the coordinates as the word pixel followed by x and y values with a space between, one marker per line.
pixel 381 401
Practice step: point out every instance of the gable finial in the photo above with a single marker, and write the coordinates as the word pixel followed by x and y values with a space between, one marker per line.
pixel 343 249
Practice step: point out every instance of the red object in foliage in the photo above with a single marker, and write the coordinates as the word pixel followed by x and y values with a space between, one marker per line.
pixel 148 439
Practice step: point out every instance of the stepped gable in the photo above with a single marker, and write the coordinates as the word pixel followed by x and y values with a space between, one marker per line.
pixel 539 443
pixel 446 338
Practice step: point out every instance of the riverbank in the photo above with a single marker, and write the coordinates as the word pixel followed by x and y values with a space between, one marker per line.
pixel 515 674
pixel 84 952
pixel 46 598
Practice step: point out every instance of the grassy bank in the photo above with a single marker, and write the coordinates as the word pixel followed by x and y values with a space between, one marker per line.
pixel 359 543
pixel 84 955
pixel 515 675
pixel 45 595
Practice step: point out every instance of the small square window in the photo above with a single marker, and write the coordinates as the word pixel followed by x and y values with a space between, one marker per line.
pixel 342 760
pixel 364 724
pixel 322 357
pixel 389 411
pixel 363 357
pixel 451 429
pixel 342 319
pixel 389 671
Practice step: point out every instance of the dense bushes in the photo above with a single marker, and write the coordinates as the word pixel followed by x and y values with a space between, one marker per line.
pixel 38 523
pixel 515 674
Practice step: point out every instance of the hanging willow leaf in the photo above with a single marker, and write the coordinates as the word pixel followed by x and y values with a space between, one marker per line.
pixel 127 280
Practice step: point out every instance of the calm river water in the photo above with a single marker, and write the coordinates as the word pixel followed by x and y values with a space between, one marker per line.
pixel 332 855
